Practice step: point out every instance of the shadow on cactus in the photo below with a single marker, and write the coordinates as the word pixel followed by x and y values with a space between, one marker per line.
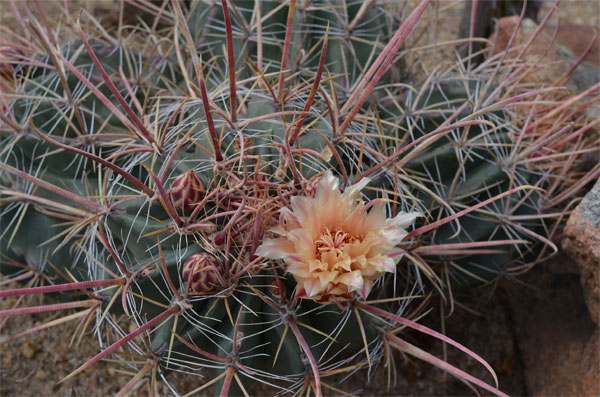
pixel 262 193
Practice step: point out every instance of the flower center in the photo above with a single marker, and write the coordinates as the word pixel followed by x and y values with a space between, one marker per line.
pixel 333 241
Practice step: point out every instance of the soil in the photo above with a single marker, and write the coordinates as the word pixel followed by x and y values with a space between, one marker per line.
pixel 521 322
pixel 34 364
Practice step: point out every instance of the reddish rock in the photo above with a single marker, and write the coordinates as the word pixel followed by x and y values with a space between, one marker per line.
pixel 534 52
pixel 590 367
pixel 576 39
pixel 583 245
pixel 555 51
pixel 573 370
pixel 557 339
pixel 504 31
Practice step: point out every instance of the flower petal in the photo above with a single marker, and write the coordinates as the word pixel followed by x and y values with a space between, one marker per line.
pixel 326 278
pixel 328 182
pixel 312 286
pixel 275 248
pixel 342 265
pixel 380 264
pixel 366 289
pixel 288 219
pixel 404 219
pixel 299 270
pixel 354 220
pixel 376 219
pixel 303 243
pixel 354 280
pixel 352 192
pixel 301 208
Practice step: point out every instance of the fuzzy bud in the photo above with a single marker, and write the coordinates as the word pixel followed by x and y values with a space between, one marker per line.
pixel 200 271
pixel 187 190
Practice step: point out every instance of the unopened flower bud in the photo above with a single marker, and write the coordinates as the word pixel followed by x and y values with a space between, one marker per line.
pixel 220 238
pixel 201 272
pixel 187 190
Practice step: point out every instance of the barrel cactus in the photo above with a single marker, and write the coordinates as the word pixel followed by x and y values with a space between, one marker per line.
pixel 262 191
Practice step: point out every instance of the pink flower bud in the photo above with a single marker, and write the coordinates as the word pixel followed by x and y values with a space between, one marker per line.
pixel 220 238
pixel 187 190
pixel 201 272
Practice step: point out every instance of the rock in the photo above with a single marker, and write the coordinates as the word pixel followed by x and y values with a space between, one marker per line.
pixel 487 12
pixel 575 39
pixel 590 367
pixel 41 374
pixel 579 373
pixel 557 339
pixel 556 54
pixel 583 245
pixel 534 53
pixel 29 350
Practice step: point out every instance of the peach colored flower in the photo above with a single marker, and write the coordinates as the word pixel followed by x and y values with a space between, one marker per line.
pixel 332 246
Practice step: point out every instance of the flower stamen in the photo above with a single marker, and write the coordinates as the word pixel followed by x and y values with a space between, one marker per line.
pixel 333 242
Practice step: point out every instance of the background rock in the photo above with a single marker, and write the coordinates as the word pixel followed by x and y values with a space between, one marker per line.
pixel 583 245
pixel 561 48
pixel 557 340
